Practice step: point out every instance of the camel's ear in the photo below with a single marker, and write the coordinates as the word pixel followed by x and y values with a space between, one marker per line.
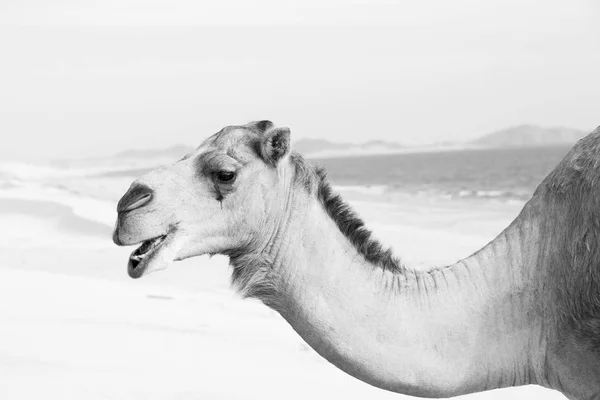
pixel 261 126
pixel 275 145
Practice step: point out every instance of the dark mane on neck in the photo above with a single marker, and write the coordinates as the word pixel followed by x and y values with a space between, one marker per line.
pixel 252 274
pixel 314 179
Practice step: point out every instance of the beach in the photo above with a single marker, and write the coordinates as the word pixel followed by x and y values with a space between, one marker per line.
pixel 75 326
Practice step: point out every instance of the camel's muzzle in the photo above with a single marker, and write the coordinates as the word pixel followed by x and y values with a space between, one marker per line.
pixel 138 222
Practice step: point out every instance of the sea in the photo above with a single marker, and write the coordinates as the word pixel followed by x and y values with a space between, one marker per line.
pixel 510 174
pixel 503 174
pixel 467 176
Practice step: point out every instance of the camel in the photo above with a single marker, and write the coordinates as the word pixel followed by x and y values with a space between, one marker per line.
pixel 524 309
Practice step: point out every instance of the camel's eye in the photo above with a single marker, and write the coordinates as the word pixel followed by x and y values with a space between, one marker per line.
pixel 225 176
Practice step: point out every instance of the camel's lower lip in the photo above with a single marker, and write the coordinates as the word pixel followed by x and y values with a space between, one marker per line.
pixel 142 257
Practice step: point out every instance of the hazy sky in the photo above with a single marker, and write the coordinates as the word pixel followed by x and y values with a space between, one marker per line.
pixel 83 77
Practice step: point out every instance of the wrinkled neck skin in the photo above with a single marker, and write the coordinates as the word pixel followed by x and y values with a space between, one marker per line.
pixel 472 326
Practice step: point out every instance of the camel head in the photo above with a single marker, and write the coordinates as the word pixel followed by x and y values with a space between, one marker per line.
pixel 216 200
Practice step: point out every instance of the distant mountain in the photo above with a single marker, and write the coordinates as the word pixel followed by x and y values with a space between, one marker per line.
pixel 307 147
pixel 530 136
pixel 173 152
pixel 326 148
pixel 134 159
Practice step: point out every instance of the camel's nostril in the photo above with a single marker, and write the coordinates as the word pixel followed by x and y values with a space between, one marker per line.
pixel 136 197
pixel 138 203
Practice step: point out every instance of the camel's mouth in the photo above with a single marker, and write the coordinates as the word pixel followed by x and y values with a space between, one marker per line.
pixel 151 256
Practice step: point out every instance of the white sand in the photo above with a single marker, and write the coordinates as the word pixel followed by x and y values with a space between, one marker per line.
pixel 73 326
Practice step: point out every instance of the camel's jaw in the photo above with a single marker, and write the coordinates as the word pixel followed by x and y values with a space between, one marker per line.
pixel 153 255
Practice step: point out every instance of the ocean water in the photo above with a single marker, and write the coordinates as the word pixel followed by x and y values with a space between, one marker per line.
pixel 490 173
pixel 493 174
pixel 468 174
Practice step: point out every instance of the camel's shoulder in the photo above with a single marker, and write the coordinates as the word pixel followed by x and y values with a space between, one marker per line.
pixel 569 213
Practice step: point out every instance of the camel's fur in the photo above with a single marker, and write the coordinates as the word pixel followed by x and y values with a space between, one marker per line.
pixel 570 193
pixel 534 291
pixel 571 227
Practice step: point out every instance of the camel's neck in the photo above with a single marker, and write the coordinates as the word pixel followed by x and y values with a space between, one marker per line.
pixel 468 327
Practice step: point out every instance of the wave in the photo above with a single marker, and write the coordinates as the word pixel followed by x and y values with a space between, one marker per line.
pixel 374 190
pixel 390 193
pixel 495 194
